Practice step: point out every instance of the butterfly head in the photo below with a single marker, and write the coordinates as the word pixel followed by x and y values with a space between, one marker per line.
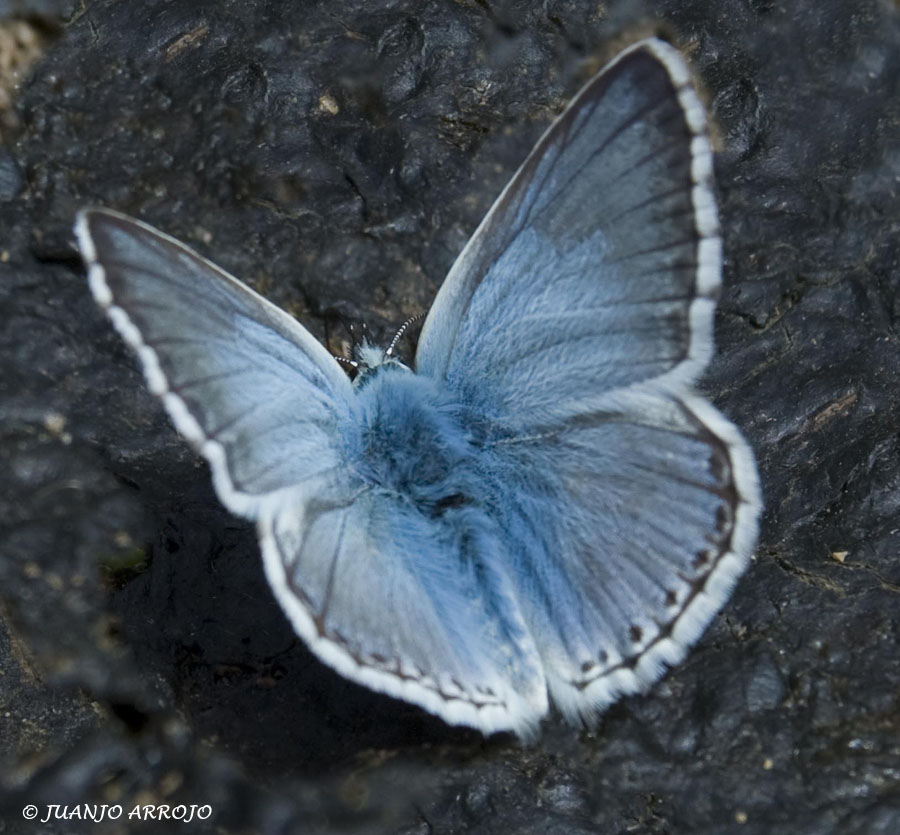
pixel 368 359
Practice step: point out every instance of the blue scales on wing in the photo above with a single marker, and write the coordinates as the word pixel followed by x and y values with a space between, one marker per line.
pixel 243 381
pixel 599 264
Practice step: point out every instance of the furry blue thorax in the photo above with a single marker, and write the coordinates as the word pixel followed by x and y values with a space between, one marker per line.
pixel 414 442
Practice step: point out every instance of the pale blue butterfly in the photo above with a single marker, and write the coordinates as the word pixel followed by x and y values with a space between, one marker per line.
pixel 543 508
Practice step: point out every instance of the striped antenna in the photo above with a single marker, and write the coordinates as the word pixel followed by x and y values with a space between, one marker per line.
pixel 349 363
pixel 403 329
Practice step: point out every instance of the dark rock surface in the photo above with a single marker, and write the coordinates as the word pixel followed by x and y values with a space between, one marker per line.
pixel 337 155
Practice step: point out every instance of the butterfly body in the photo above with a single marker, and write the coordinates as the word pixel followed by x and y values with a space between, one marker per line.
pixel 541 507
pixel 409 439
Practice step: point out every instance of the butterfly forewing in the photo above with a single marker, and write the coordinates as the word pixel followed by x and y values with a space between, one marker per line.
pixel 597 266
pixel 241 379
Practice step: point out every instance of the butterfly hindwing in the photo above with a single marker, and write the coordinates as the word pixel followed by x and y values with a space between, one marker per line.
pixel 630 525
pixel 405 604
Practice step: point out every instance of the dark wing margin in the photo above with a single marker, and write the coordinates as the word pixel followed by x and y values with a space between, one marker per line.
pixel 249 387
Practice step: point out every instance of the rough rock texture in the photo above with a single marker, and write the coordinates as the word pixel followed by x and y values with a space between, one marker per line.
pixel 337 155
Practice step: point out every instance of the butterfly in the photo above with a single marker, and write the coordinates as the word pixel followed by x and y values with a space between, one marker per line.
pixel 542 508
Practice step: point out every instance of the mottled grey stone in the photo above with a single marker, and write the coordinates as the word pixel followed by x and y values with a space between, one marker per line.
pixel 337 155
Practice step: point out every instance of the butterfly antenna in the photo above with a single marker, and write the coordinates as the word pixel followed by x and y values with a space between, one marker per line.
pixel 403 329
pixel 349 363
pixel 348 327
